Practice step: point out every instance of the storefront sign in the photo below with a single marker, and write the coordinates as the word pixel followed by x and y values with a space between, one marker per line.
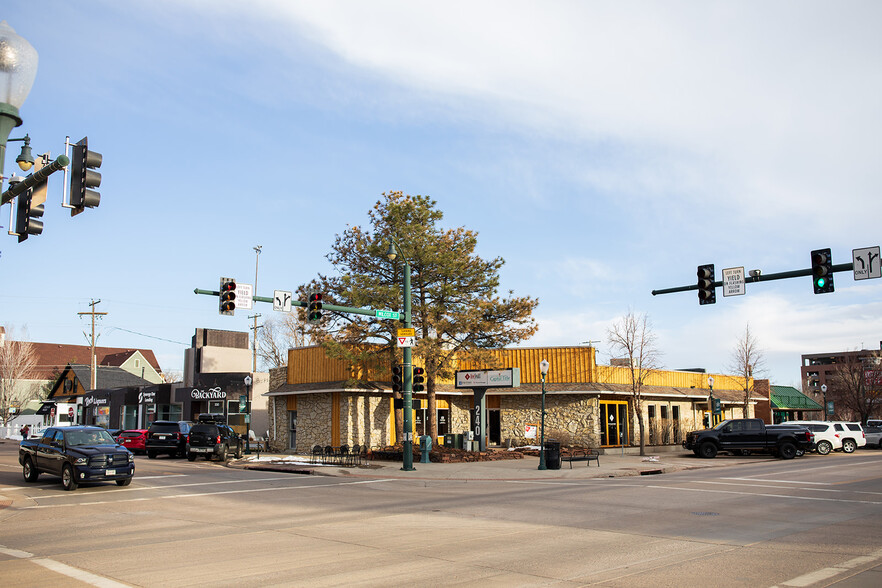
pixel 530 431
pixel 93 401
pixel 145 397
pixel 510 378
pixel 210 394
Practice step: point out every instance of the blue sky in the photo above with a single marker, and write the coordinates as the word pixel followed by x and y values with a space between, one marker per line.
pixel 602 149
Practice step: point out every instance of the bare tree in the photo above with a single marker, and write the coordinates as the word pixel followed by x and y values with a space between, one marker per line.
pixel 277 336
pixel 856 386
pixel 18 362
pixel 633 338
pixel 747 361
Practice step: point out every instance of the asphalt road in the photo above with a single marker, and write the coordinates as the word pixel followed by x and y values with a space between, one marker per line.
pixel 813 521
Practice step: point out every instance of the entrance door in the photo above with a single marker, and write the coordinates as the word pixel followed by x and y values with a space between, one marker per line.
pixel 614 423
pixel 494 426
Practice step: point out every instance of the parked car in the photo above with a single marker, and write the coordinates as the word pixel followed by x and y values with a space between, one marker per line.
pixel 827 438
pixel 738 435
pixel 213 439
pixel 874 437
pixel 167 437
pixel 77 454
pixel 874 423
pixel 135 440
pixel 852 435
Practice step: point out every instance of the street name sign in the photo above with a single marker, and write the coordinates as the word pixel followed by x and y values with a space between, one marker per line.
pixel 733 281
pixel 387 314
pixel 866 263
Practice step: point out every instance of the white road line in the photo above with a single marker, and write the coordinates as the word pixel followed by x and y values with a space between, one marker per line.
pixel 137 488
pixel 780 481
pixel 826 573
pixel 754 485
pixel 78 574
pixel 785 496
pixel 15 553
pixel 200 494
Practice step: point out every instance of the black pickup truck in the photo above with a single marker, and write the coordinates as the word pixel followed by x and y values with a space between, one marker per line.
pixel 737 435
pixel 78 455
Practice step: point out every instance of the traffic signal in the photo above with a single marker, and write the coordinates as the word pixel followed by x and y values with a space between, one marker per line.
pixel 707 293
pixel 822 271
pixel 227 298
pixel 418 379
pixel 29 210
pixel 314 310
pixel 397 378
pixel 83 176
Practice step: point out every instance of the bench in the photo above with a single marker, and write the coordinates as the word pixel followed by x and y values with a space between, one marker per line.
pixel 587 455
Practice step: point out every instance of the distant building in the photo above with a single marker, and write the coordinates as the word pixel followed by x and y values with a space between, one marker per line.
pixel 819 369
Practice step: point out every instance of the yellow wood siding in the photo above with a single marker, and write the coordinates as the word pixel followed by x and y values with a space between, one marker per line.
pixel 292 402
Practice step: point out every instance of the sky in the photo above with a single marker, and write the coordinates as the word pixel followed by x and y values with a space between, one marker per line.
pixel 603 149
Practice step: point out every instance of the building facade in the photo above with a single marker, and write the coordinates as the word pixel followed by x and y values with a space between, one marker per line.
pixel 327 401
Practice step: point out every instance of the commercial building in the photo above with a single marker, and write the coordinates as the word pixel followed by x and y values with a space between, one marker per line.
pixel 328 401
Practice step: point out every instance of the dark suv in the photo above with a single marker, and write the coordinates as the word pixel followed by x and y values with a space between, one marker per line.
pixel 167 437
pixel 213 439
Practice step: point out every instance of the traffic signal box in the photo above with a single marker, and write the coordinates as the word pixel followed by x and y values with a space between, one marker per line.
pixel 418 379
pixel 30 209
pixel 83 177
pixel 227 298
pixel 314 310
pixel 822 271
pixel 397 378
pixel 707 293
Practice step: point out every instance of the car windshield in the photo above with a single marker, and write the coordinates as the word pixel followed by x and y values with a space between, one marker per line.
pixel 86 438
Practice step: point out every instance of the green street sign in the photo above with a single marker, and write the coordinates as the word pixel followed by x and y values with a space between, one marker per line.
pixel 387 314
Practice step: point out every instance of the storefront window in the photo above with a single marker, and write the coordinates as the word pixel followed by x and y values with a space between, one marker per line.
pixel 129 417
pixel 167 412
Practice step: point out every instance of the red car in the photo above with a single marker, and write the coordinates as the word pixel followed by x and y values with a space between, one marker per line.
pixel 134 440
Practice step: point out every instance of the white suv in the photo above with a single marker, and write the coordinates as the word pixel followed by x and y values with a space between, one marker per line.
pixel 852 435
pixel 827 438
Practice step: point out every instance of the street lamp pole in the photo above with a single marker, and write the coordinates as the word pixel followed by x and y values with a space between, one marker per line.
pixel 18 68
pixel 710 403
pixel 824 390
pixel 407 466
pixel 543 368
pixel 248 381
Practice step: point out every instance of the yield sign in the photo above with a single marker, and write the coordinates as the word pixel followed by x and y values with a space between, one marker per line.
pixel 405 341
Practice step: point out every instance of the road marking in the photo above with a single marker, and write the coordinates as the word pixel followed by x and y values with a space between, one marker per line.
pixel 136 488
pixel 64 569
pixel 764 495
pixel 789 487
pixel 78 574
pixel 178 496
pixel 780 481
pixel 826 573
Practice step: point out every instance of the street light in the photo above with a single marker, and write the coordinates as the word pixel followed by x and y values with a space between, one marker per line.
pixel 543 368
pixel 710 403
pixel 824 390
pixel 393 253
pixel 18 69
pixel 248 414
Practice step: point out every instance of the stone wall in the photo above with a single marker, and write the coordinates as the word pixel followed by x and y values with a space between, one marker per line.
pixel 570 418
pixel 313 421
pixel 365 420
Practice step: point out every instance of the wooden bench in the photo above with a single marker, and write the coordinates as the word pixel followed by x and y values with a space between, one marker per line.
pixel 587 455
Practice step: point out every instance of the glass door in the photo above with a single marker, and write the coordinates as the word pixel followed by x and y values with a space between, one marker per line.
pixel 613 423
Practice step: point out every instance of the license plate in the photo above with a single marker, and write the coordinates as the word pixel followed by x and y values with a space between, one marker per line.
pixel 161 437
pixel 109 472
pixel 200 449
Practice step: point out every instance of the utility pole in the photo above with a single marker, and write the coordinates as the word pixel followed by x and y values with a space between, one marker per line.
pixel 254 338
pixel 92 367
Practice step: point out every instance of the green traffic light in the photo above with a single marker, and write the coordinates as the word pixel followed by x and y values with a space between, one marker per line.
pixel 821 282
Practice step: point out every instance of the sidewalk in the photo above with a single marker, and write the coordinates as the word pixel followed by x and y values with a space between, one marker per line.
pixel 611 466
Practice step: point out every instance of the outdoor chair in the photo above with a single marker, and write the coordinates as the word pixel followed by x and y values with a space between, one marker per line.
pixel 355 455
pixel 317 453
pixel 343 455
pixel 330 454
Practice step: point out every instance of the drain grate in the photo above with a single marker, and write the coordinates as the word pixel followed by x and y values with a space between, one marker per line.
pixel 706 514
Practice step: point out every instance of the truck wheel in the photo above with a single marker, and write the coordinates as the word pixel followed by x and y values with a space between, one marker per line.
pixel 225 454
pixel 191 457
pixel 239 451
pixel 787 450
pixel 151 454
pixel 68 478
pixel 707 450
pixel 824 447
pixel 124 482
pixel 848 446
pixel 28 470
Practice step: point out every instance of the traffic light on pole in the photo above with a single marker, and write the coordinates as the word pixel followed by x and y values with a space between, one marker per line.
pixel 227 298
pixel 418 379
pixel 314 310
pixel 30 208
pixel 83 176
pixel 397 378
pixel 707 293
pixel 822 271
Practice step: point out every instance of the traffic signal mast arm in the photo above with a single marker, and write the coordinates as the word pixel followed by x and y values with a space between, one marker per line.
pixel 841 267
pixel 35 178
pixel 333 307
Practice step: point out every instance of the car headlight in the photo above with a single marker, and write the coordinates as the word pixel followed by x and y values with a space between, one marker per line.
pixel 81 461
pixel 131 457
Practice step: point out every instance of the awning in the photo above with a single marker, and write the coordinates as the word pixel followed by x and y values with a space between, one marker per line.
pixel 46 408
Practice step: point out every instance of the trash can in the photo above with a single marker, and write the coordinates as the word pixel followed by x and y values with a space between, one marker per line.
pixel 552 454
pixel 457 444
pixel 449 441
